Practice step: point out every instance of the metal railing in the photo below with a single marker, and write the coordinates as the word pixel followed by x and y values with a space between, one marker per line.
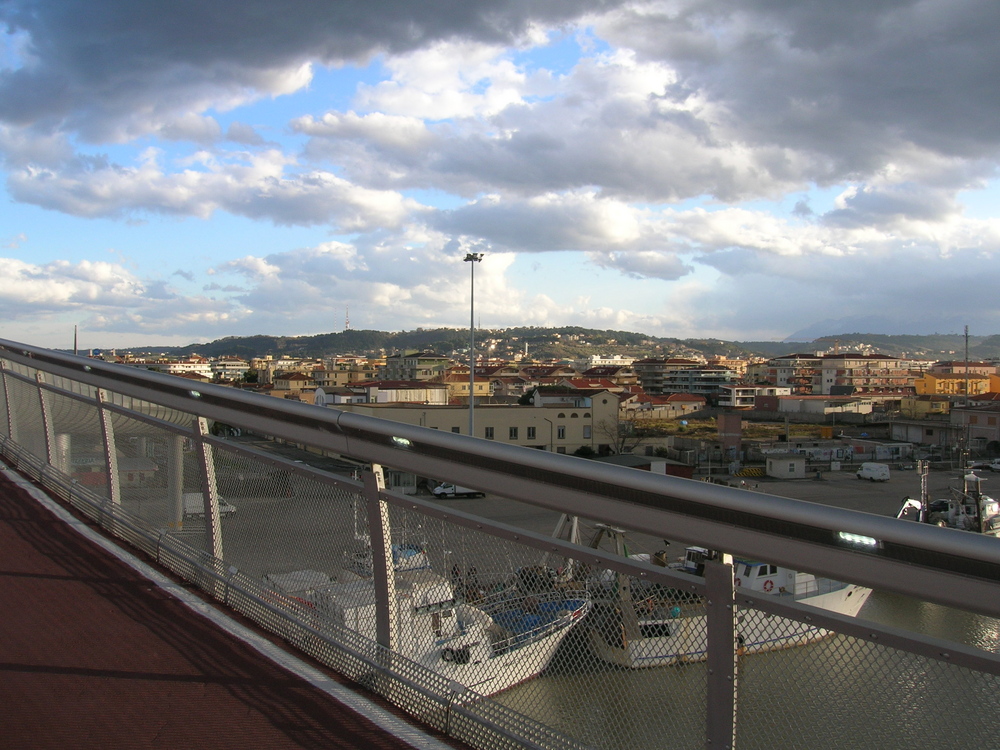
pixel 505 636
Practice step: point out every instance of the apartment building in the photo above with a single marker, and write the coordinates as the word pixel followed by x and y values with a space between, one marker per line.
pixel 960 367
pixel 833 374
pixel 414 366
pixel 865 373
pixel 654 374
pixel 956 384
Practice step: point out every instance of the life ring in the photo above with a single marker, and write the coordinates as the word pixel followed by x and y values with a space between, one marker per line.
pixel 738 582
pixel 768 585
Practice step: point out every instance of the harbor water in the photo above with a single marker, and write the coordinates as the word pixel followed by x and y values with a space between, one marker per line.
pixel 839 692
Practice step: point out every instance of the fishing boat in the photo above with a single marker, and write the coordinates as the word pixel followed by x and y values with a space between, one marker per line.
pixel 649 625
pixel 967 508
pixel 502 640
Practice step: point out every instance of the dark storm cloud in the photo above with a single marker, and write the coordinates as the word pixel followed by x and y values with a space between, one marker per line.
pixel 849 79
pixel 88 60
pixel 877 208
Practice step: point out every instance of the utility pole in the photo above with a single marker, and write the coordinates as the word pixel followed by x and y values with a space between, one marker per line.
pixel 472 259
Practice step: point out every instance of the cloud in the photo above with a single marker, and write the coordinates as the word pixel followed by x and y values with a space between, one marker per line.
pixel 920 292
pixel 14 242
pixel 854 82
pixel 103 296
pixel 255 186
pixel 240 132
pixel 575 221
pixel 113 69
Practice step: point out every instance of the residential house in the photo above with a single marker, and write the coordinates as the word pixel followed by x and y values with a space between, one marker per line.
pixel 671 406
pixel 924 407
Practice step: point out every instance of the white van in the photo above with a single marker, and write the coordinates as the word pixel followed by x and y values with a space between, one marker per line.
pixel 874 472
pixel 194 505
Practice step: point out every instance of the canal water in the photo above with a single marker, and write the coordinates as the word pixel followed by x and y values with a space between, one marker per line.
pixel 837 693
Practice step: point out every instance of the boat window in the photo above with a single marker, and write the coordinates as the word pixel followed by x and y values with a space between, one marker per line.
pixel 749 572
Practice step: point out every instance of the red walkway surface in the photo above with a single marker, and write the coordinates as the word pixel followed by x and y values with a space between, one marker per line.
pixel 92 655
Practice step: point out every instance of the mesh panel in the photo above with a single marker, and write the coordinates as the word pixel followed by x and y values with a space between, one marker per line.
pixel 79 444
pixel 151 461
pixel 281 521
pixel 26 413
pixel 887 698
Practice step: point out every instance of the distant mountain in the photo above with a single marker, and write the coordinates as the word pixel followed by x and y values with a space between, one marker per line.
pixel 572 342
pixel 831 327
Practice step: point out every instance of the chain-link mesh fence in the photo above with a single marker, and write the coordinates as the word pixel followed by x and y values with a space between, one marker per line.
pixel 568 651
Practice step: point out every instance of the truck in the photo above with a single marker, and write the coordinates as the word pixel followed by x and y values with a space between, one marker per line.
pixel 453 490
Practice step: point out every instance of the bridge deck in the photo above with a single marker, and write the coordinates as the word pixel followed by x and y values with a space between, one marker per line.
pixel 94 655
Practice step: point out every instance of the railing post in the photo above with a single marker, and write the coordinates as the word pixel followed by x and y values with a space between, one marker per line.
pixel 43 403
pixel 209 489
pixel 720 605
pixel 110 452
pixel 383 570
pixel 11 431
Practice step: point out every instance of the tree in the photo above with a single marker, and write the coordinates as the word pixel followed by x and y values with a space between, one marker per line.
pixel 621 435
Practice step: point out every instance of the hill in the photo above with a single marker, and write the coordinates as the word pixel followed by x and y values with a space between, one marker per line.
pixel 573 342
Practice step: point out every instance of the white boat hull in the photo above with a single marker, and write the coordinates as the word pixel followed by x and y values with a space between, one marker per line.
pixel 486 647
pixel 685 638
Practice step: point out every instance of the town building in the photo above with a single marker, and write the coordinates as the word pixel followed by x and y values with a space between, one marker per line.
pixel 414 366
pixel 979 425
pixel 417 392
pixel 960 367
pixel 229 368
pixel 588 363
pixel 924 406
pixel 561 426
pixel 745 396
pixel 839 374
pixel 671 406
pixel 956 384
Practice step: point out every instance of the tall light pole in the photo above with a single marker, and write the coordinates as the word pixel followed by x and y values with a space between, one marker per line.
pixel 472 258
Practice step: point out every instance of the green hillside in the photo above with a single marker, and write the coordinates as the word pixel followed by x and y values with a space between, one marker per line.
pixel 572 342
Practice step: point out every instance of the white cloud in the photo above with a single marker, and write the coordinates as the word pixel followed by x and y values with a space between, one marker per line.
pixel 255 186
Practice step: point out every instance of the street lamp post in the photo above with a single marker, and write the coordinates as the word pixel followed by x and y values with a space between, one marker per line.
pixel 472 258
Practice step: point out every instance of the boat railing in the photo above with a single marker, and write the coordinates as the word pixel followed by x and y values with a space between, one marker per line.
pixel 523 620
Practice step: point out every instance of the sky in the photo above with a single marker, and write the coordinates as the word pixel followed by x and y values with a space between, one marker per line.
pixel 180 172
